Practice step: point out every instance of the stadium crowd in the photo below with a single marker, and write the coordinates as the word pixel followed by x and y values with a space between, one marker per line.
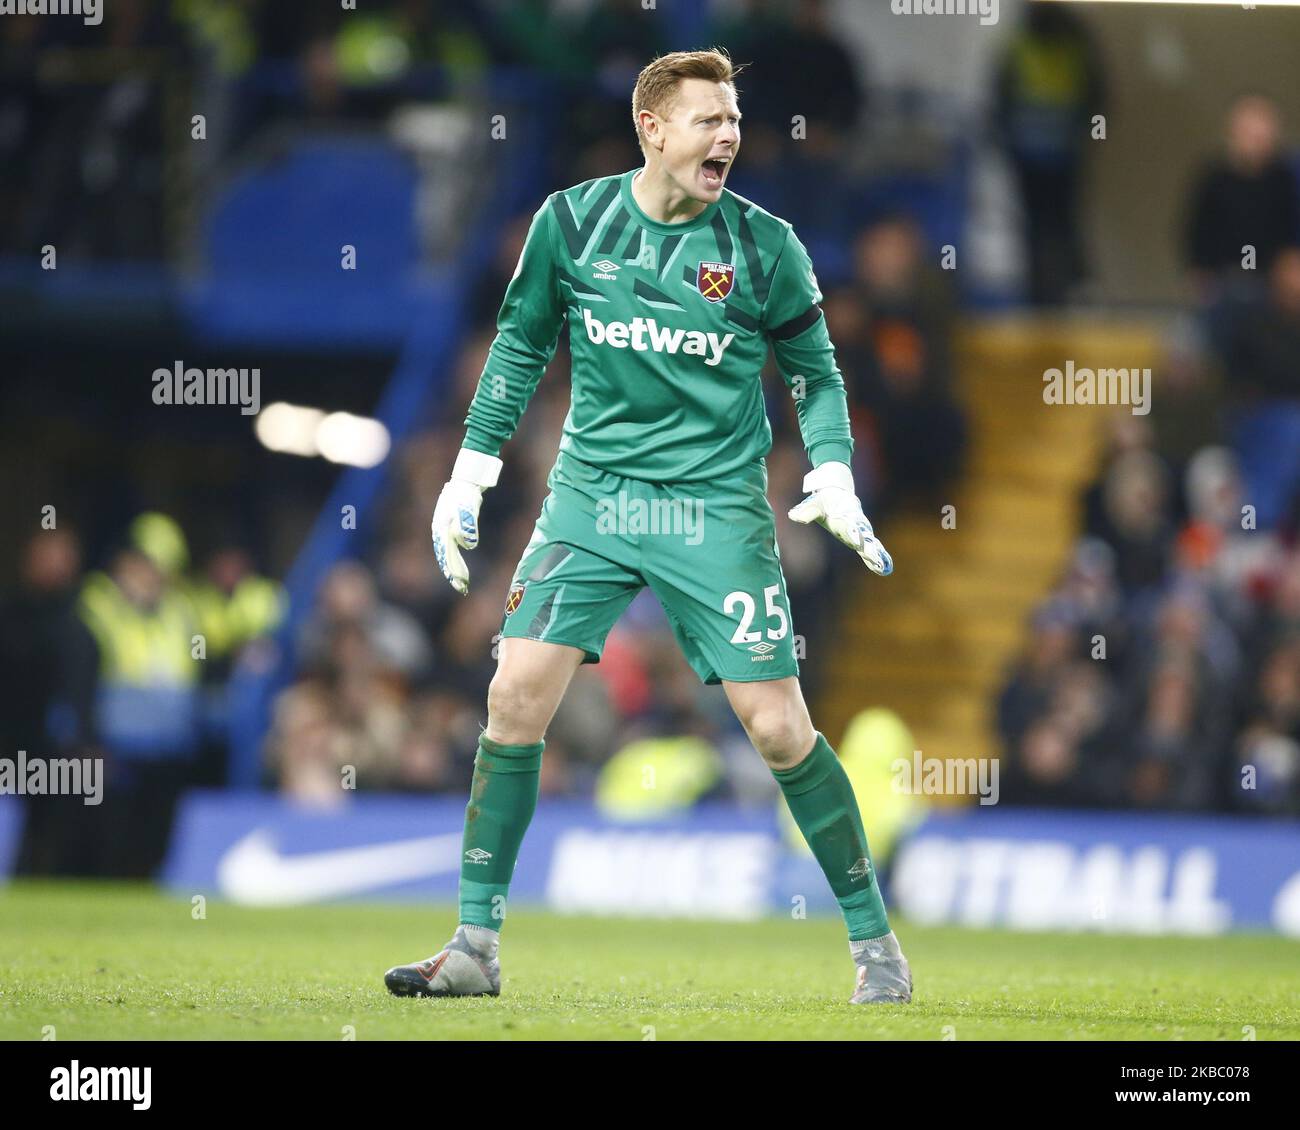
pixel 1164 670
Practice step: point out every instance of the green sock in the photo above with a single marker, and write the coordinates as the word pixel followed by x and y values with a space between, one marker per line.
pixel 502 799
pixel 822 803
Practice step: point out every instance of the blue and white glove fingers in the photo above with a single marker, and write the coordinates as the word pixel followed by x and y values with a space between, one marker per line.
pixel 466 528
pixel 833 504
pixel 872 551
pixel 455 518
pixel 446 551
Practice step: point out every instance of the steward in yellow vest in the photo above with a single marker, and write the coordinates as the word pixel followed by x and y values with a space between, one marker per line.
pixel 146 697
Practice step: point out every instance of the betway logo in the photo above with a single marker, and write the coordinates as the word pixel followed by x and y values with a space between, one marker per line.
pixel 646 333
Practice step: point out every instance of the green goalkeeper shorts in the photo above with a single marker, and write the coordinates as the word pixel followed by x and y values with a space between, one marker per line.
pixel 707 550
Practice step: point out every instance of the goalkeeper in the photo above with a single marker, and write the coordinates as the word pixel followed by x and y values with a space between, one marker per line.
pixel 671 288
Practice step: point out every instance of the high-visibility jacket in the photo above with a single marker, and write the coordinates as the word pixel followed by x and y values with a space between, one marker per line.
pixel 229 620
pixel 657 777
pixel 146 702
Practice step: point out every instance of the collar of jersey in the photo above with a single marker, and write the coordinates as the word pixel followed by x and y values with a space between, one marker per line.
pixel 654 225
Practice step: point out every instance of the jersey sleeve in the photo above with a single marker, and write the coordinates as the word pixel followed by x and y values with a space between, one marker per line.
pixel 528 329
pixel 794 324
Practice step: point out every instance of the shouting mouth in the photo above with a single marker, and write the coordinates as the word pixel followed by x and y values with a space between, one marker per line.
pixel 714 170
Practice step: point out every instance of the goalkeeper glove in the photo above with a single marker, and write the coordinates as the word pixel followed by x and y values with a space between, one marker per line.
pixel 833 503
pixel 455 518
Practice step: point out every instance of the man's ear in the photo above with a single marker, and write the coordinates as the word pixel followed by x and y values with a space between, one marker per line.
pixel 652 130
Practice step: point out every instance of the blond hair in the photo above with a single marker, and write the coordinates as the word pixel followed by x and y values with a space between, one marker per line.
pixel 656 85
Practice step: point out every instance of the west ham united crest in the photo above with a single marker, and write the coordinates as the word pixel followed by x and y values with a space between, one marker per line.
pixel 715 279
pixel 513 600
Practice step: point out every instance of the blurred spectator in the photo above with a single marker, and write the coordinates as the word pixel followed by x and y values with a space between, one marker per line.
pixel 1266 773
pixel 301 747
pixel 830 96
pixel 39 626
pixel 1212 548
pixel 1191 414
pixel 37 619
pixel 1052 644
pixel 350 615
pixel 1171 752
pixel 349 712
pixel 1065 753
pixel 1263 366
pixel 1134 518
pixel 892 331
pixel 1125 433
pixel 1090 596
pixel 1049 88
pixel 233 607
pixel 1246 198
pixel 1178 709
pixel 132 683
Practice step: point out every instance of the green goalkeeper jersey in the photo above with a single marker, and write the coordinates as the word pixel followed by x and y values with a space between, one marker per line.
pixel 669 326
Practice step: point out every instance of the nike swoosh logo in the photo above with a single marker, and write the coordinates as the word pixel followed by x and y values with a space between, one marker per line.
pixel 433 966
pixel 254 873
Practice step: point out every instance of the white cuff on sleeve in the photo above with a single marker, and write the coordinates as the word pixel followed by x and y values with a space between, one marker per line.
pixel 829 475
pixel 477 467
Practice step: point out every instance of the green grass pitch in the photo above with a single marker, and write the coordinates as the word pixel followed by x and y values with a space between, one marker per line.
pixel 111 962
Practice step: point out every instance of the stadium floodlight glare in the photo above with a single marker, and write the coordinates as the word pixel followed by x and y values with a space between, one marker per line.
pixel 356 440
pixel 289 428
pixel 339 437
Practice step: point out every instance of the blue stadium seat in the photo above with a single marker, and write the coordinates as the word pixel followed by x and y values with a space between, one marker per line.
pixel 274 240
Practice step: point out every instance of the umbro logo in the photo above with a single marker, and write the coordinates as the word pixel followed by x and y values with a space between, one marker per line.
pixel 477 855
pixel 605 269
pixel 763 648
pixel 860 870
